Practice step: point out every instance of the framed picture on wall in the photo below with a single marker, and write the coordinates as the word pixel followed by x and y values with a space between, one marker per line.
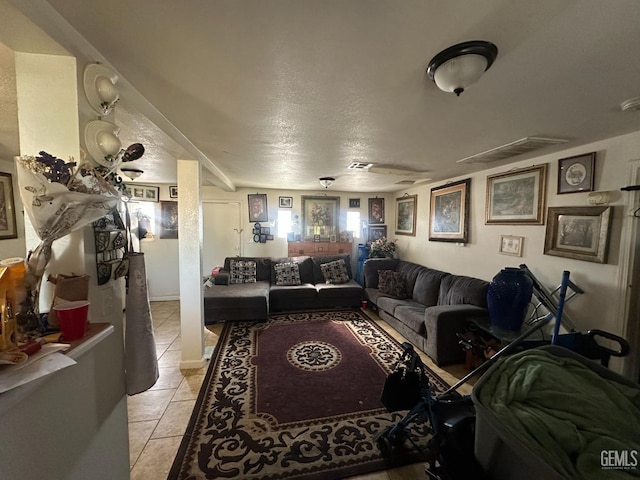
pixel 449 212
pixel 8 227
pixel 168 219
pixel 146 193
pixel 581 233
pixel 406 208
pixel 354 203
pixel 376 232
pixel 285 202
pixel 575 174
pixel 320 216
pixel 173 191
pixel 511 245
pixel 376 211
pixel 517 197
pixel 258 207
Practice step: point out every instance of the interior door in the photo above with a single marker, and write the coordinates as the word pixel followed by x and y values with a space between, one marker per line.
pixel 222 235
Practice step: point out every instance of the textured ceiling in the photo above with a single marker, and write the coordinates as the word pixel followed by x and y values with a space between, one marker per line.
pixel 278 93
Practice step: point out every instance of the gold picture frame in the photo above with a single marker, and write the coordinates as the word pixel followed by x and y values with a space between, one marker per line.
pixel 580 233
pixel 517 197
pixel 320 217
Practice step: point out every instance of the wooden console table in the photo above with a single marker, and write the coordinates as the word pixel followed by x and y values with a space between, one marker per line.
pixel 318 249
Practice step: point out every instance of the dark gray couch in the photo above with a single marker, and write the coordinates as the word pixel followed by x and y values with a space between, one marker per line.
pixel 254 301
pixel 437 307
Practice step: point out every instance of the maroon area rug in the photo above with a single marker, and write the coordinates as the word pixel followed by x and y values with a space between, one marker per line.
pixel 295 397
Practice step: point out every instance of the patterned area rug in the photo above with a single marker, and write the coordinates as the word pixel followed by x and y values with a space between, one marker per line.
pixel 295 397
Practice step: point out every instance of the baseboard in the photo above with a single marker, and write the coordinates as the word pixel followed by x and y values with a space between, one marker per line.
pixel 168 298
pixel 192 364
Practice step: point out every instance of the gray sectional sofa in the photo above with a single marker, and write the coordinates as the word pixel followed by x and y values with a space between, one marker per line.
pixel 254 301
pixel 436 307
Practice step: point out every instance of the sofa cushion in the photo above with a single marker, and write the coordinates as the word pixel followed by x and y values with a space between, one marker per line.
pixel 412 315
pixel 305 267
pixel 263 266
pixel 389 304
pixel 318 277
pixel 392 283
pixel 335 272
pixel 458 290
pixel 350 288
pixel 287 273
pixel 427 286
pixel 243 271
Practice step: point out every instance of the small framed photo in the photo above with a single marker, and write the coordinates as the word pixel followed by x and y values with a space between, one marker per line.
pixel 511 245
pixel 332 238
pixel 354 203
pixel 263 238
pixel 376 211
pixel 581 233
pixel 316 238
pixel 8 227
pixel 145 193
pixel 269 237
pixel 258 207
pixel 173 191
pixel 575 174
pixel 265 230
pixel 285 202
pixel 376 232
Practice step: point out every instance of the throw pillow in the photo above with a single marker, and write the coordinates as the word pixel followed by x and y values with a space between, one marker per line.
pixel 391 283
pixel 243 271
pixel 287 273
pixel 335 272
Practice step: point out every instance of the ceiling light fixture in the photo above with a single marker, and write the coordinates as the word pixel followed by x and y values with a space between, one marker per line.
pixel 326 182
pixel 461 65
pixel 131 173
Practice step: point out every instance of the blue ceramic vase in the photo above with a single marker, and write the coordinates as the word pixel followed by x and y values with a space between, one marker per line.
pixel 508 297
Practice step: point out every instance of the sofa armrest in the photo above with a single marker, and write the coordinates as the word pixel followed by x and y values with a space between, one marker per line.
pixel 222 278
pixel 443 323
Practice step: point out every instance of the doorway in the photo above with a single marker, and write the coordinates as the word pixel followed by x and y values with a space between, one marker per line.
pixel 221 233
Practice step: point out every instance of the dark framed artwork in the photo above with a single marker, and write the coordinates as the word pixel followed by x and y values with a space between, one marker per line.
pixel 376 211
pixel 145 193
pixel 320 216
pixel 406 209
pixel 258 207
pixel 376 232
pixel 173 191
pixel 168 219
pixel 8 227
pixel 285 202
pixel 581 233
pixel 449 212
pixel 576 174
pixel 517 197
pixel 354 203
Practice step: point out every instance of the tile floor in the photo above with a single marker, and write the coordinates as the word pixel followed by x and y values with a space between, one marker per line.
pixel 159 416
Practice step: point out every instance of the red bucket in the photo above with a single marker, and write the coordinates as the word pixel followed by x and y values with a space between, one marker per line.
pixel 73 319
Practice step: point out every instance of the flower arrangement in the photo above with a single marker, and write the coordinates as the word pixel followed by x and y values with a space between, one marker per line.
pixel 382 248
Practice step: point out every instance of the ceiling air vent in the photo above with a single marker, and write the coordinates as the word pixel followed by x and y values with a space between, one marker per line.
pixel 359 165
pixel 524 145
pixel 406 182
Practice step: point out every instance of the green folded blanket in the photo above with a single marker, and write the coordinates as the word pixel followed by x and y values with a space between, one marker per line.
pixel 564 412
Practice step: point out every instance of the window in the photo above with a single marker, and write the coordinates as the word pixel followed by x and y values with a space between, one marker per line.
pixel 284 223
pixel 353 223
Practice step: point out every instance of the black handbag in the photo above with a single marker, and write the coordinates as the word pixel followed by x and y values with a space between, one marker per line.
pixel 404 386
